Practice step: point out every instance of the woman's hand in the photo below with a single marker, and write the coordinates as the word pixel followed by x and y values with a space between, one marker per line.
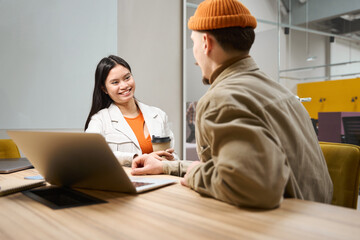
pixel 163 155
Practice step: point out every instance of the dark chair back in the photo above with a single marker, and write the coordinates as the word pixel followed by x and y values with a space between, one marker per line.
pixel 352 130
pixel 315 125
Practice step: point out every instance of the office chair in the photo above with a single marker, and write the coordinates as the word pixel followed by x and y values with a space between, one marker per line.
pixel 343 162
pixel 8 149
pixel 352 130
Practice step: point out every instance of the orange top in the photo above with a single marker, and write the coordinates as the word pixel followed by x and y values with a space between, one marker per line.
pixel 137 125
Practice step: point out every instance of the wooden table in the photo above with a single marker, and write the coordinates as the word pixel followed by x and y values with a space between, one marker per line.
pixel 172 212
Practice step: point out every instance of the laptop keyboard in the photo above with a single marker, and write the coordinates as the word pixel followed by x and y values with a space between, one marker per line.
pixel 139 184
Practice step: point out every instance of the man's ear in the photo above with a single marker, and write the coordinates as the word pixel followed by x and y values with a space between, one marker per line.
pixel 208 42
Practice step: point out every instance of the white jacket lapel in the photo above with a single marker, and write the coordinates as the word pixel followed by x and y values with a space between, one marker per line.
pixel 121 124
pixel 151 120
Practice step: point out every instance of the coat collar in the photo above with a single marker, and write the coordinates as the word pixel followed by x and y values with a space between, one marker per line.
pixel 121 124
pixel 149 117
pixel 146 110
pixel 237 64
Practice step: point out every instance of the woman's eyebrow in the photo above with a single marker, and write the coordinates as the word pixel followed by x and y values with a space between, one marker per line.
pixel 127 74
pixel 122 77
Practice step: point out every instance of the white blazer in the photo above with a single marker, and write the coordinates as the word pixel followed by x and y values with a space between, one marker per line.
pixel 110 123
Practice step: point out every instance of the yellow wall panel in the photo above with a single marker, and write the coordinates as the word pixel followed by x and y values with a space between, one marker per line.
pixel 331 96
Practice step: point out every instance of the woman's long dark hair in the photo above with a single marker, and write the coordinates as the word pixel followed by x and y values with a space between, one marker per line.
pixel 100 98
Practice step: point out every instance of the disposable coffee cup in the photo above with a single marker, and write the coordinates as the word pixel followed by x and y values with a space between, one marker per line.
pixel 160 143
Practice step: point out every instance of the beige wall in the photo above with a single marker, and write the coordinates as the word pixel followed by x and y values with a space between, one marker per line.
pixel 150 40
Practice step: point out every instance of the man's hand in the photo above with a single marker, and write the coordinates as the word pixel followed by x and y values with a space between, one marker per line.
pixel 146 164
pixel 163 155
pixel 183 181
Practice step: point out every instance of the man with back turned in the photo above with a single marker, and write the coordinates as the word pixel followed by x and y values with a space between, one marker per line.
pixel 255 140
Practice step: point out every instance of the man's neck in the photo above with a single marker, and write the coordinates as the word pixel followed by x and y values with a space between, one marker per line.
pixel 225 57
pixel 225 63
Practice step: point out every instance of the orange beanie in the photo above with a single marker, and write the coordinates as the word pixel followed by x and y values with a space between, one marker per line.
pixel 214 14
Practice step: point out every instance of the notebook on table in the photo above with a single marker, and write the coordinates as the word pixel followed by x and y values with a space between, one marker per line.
pixel 9 165
pixel 80 160
pixel 11 185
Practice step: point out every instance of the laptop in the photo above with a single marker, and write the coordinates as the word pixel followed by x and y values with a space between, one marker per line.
pixel 80 160
pixel 9 165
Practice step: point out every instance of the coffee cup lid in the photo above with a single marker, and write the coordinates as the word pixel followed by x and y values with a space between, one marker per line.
pixel 156 139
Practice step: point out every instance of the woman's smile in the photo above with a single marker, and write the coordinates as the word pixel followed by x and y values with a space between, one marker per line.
pixel 126 92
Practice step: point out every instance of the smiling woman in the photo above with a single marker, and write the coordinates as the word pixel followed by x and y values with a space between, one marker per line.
pixel 127 124
pixel 120 86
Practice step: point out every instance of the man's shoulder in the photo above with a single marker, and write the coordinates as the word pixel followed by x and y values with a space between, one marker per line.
pixel 242 91
pixel 227 88
pixel 221 98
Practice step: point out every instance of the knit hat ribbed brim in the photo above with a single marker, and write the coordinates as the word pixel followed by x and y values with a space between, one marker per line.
pixel 214 14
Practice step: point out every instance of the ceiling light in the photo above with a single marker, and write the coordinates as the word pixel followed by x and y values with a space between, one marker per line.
pixel 309 58
pixel 312 58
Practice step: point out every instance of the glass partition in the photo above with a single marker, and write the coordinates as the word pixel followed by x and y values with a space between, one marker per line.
pixel 296 41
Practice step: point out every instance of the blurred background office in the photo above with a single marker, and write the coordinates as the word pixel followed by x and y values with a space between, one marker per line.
pixel 50 48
